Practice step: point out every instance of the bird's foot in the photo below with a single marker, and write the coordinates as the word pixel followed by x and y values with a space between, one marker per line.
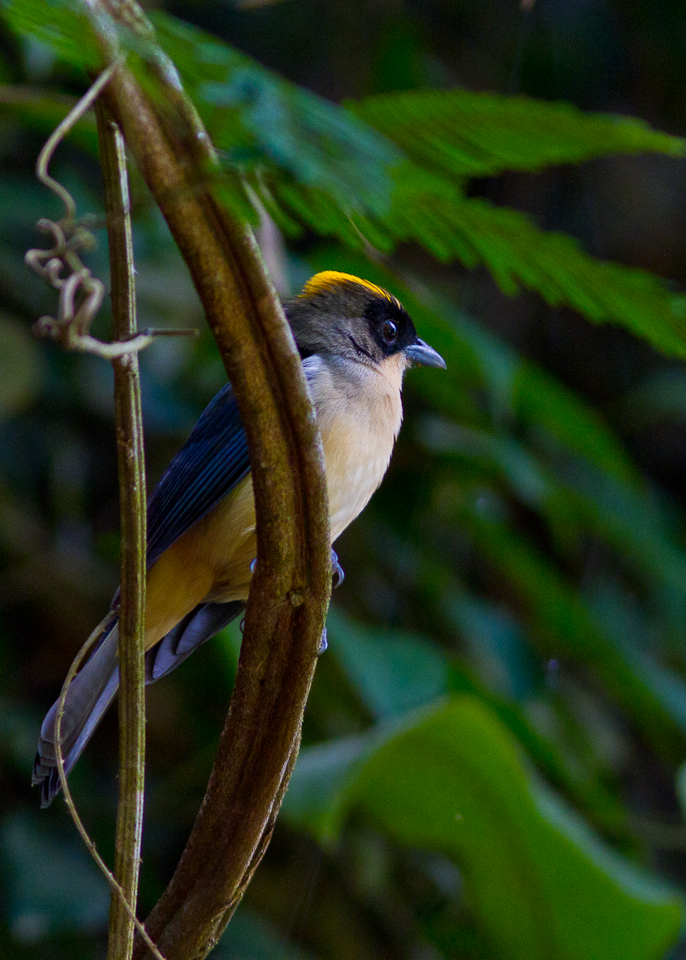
pixel 337 570
pixel 323 643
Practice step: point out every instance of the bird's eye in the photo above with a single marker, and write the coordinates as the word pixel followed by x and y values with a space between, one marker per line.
pixel 389 331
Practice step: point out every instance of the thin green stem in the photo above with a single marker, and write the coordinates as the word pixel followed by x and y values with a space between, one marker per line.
pixel 129 427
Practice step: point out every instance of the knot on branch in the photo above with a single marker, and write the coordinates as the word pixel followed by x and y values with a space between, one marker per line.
pixel 296 598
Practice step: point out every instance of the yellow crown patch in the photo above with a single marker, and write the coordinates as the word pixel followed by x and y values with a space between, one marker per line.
pixel 329 278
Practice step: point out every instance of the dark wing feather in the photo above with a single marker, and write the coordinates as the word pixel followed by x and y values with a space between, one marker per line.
pixel 211 463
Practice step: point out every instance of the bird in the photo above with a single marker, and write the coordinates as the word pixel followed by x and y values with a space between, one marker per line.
pixel 355 341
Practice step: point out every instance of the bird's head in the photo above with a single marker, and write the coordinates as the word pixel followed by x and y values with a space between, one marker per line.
pixel 340 316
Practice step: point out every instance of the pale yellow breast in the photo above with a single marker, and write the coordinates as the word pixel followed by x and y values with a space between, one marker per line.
pixel 359 417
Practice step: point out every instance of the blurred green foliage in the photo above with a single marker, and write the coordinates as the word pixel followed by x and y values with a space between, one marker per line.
pixel 494 745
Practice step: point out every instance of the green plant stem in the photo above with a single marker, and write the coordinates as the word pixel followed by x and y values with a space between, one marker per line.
pixel 131 459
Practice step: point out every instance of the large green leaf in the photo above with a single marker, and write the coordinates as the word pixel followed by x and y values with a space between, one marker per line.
pixel 452 779
pixel 472 134
pixel 393 671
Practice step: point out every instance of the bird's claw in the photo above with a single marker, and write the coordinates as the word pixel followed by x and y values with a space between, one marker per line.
pixel 323 643
pixel 337 570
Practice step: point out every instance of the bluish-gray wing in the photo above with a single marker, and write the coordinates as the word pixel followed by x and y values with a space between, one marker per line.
pixel 209 465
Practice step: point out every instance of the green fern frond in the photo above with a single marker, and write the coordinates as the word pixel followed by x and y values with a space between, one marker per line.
pixel 470 134
pixel 518 253
pixel 433 212
pixel 314 164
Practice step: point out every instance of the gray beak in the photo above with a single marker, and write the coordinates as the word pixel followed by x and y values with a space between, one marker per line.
pixel 421 353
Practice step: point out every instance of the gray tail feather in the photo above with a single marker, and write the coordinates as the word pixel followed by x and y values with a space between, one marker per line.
pixel 88 697
pixel 95 686
pixel 199 625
